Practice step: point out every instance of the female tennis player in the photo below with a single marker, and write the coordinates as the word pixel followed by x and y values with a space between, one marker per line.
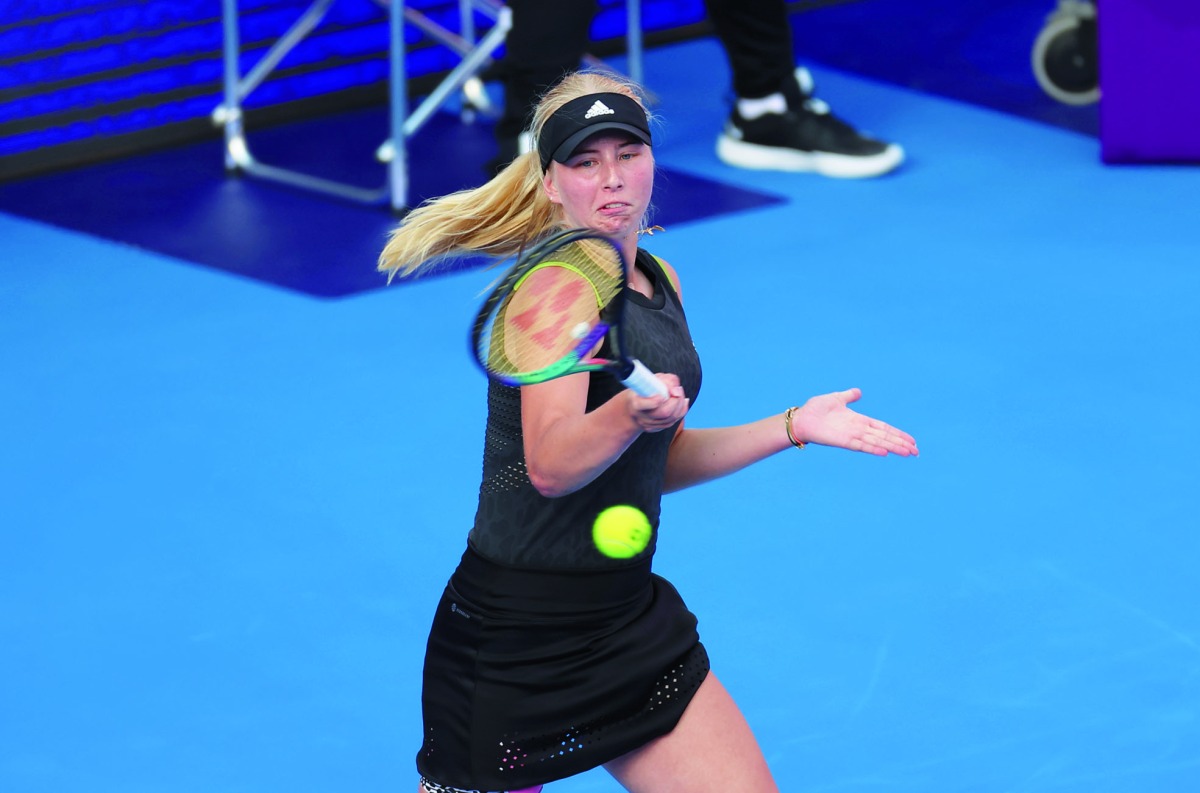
pixel 547 657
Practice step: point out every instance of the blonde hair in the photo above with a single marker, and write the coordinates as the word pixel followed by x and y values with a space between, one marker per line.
pixel 501 217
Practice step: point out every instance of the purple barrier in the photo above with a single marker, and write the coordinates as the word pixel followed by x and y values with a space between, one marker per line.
pixel 1149 80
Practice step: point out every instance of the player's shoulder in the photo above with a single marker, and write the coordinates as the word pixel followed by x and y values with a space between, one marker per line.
pixel 662 264
pixel 671 274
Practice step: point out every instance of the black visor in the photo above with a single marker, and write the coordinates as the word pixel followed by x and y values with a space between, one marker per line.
pixel 581 118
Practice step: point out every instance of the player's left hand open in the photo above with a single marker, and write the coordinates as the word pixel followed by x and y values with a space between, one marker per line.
pixel 827 420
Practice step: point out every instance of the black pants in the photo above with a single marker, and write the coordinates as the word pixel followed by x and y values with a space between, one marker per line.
pixel 549 37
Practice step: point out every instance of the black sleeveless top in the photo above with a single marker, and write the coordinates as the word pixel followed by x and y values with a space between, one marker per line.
pixel 518 527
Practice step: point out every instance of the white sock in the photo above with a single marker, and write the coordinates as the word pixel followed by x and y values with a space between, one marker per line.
pixel 751 109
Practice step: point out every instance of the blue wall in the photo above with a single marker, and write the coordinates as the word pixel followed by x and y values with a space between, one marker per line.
pixel 84 75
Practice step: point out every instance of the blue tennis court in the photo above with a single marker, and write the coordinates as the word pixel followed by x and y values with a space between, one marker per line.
pixel 231 500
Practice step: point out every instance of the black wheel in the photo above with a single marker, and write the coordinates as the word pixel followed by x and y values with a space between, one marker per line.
pixel 1065 58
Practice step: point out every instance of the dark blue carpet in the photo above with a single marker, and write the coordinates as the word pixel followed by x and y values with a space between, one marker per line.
pixel 179 202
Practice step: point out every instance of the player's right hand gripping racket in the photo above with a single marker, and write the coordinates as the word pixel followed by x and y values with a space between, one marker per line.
pixel 549 314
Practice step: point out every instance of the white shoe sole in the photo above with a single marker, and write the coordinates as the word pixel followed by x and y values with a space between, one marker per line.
pixel 740 154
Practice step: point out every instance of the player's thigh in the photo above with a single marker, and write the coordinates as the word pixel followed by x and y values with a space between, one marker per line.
pixel 711 750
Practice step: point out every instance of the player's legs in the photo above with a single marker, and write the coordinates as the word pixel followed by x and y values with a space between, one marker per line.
pixel 711 750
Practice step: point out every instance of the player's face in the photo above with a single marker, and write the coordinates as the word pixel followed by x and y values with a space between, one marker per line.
pixel 605 185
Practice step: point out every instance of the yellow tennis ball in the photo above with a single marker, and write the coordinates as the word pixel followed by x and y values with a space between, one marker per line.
pixel 621 532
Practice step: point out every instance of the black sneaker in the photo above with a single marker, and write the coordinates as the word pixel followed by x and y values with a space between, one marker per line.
pixel 808 137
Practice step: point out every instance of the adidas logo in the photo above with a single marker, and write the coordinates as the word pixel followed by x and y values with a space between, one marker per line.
pixel 598 108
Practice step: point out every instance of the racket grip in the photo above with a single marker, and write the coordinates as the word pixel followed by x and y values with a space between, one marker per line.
pixel 643 381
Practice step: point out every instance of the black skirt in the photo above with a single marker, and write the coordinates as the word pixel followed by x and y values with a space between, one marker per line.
pixel 534 676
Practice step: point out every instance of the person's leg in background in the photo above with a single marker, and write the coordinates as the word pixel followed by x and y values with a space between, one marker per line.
pixel 776 123
pixel 547 40
pixel 757 38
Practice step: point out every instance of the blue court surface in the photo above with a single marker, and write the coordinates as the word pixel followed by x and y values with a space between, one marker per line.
pixel 231 500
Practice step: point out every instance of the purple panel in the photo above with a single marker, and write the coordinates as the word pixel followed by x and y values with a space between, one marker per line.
pixel 1149 80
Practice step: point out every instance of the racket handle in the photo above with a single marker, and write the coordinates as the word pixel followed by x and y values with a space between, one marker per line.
pixel 643 381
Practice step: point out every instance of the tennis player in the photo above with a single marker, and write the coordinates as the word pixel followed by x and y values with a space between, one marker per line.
pixel 546 657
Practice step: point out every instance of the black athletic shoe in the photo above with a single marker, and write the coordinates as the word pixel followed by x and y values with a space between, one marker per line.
pixel 808 137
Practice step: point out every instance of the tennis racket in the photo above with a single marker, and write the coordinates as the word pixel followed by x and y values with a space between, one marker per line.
pixel 552 310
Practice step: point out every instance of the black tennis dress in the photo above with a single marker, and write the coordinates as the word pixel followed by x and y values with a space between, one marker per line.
pixel 547 658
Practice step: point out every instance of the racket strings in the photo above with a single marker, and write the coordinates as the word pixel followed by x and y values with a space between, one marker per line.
pixel 552 316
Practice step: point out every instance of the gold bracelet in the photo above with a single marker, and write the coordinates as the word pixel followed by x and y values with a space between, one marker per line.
pixel 787 426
